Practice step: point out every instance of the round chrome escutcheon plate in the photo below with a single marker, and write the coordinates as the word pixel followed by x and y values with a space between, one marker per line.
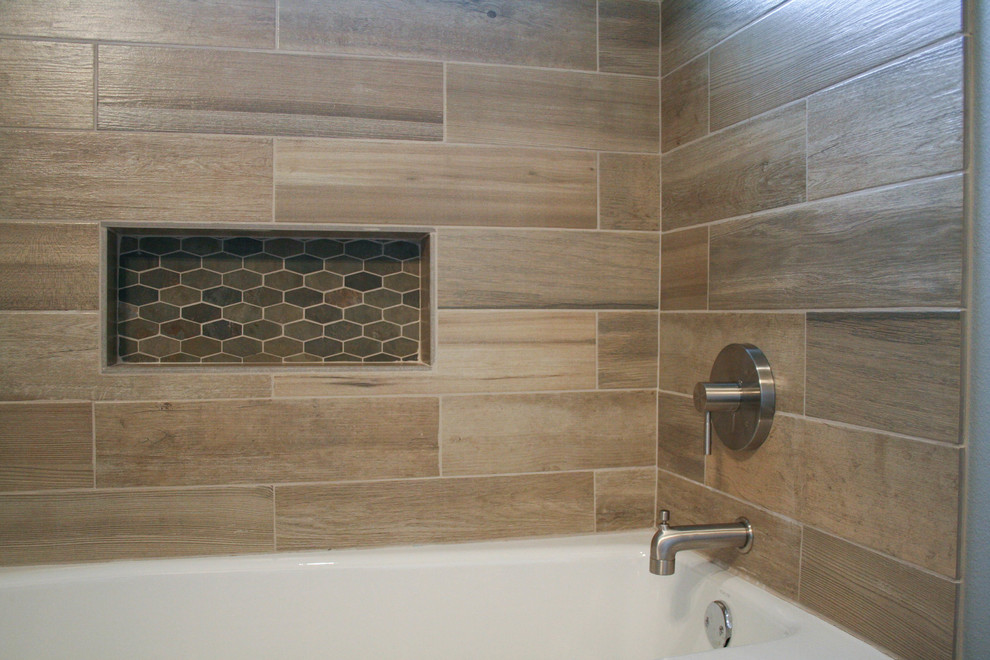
pixel 718 624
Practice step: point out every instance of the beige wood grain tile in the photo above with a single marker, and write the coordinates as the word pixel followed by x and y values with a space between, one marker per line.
pixel 629 37
pixel 627 350
pixel 770 476
pixel 902 122
pixel 684 107
pixel 907 611
pixel 46 446
pixel 107 176
pixel 854 358
pixel 100 525
pixel 221 91
pixel 247 23
pixel 49 266
pixel 680 437
pixel 57 356
pixel 497 268
pixel 895 247
pixel 431 184
pixel 684 269
pixel 480 352
pixel 226 442
pixel 689 344
pixel 433 510
pixel 775 557
pixel 755 166
pixel 629 189
pixel 807 46
pixel 870 488
pixel 540 107
pixel 538 33
pixel 691 28
pixel 506 433
pixel 625 499
pixel 46 85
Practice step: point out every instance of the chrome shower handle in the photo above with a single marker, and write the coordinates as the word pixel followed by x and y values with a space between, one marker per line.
pixel 721 397
pixel 740 399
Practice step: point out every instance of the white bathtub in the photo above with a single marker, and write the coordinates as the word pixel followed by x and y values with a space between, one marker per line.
pixel 586 597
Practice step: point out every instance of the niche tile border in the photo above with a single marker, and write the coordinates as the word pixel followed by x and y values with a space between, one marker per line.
pixel 191 297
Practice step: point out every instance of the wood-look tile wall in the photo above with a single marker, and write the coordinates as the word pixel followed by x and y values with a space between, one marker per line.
pixel 812 171
pixel 802 187
pixel 526 133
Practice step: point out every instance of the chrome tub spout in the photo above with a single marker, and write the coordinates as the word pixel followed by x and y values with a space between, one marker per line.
pixel 669 540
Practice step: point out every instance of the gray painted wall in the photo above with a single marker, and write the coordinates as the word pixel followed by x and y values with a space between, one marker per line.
pixel 976 632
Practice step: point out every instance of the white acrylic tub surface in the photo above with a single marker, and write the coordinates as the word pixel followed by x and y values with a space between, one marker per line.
pixel 586 597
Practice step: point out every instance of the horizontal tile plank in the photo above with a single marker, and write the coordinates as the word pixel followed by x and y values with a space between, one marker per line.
pixel 427 184
pixel 544 33
pixel 689 344
pixel 691 28
pixel 894 247
pixel 625 499
pixel 629 37
pixel 49 266
pixel 219 91
pixel 498 434
pixel 680 437
pixel 854 358
pixel 684 269
pixel 560 269
pixel 870 488
pixel 775 557
pixel 902 122
pixel 807 46
pixel 627 350
pixel 629 186
pixel 46 85
pixel 905 610
pixel 539 107
pixel 684 111
pixel 433 510
pixel 57 356
pixel 102 525
pixel 107 176
pixel 246 23
pixel 480 352
pixel 46 446
pixel 227 442
pixel 755 166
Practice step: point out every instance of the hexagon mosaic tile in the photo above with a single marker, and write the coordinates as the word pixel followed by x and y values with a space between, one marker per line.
pixel 267 300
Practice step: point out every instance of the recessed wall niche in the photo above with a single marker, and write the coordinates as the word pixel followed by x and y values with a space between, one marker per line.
pixel 266 297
